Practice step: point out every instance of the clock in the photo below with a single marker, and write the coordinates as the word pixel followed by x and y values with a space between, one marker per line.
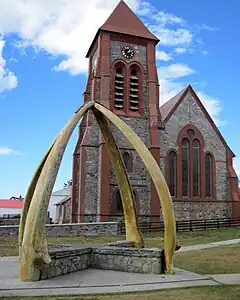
pixel 128 52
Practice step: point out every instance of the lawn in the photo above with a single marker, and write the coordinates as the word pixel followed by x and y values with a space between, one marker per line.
pixel 220 260
pixel 197 293
pixel 9 245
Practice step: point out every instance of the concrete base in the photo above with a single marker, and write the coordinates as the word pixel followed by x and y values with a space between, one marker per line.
pixel 92 281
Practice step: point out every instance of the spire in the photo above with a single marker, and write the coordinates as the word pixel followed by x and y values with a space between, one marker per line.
pixel 123 20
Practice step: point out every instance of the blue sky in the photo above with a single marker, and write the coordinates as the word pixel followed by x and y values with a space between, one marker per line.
pixel 43 70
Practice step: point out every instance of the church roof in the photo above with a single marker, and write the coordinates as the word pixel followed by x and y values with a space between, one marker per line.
pixel 170 104
pixel 168 108
pixel 124 21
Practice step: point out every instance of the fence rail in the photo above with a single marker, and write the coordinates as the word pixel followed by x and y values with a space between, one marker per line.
pixel 154 223
pixel 190 225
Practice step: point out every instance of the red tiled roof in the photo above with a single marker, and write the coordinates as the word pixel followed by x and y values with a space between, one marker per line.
pixel 123 20
pixel 6 203
pixel 168 106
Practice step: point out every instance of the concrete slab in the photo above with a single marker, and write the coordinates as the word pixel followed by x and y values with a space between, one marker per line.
pixel 92 281
pixel 231 279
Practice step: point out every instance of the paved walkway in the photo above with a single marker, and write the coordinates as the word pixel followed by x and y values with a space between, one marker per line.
pixel 230 279
pixel 92 281
pixel 210 245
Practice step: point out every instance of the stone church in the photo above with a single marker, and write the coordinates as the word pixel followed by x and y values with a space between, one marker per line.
pixel 193 155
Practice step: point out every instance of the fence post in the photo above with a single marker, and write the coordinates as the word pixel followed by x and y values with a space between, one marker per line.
pixel 191 229
pixel 205 225
pixel 218 223
pixel 177 226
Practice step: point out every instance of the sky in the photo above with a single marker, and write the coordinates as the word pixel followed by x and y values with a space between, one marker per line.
pixel 43 70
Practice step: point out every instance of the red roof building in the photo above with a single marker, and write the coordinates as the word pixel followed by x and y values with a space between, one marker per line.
pixel 6 203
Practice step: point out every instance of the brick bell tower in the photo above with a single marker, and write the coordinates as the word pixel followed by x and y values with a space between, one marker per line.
pixel 123 77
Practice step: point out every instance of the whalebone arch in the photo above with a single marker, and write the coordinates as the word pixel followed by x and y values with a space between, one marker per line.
pixel 33 245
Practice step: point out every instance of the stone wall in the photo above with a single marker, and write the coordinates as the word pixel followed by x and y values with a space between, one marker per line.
pixel 202 210
pixel 67 259
pixel 81 229
pixel 4 221
pixel 128 259
pixel 139 178
pixel 189 112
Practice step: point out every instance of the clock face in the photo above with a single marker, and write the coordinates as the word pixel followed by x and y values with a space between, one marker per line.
pixel 127 52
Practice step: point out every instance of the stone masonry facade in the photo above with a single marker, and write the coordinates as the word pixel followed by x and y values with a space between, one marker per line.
pixel 95 188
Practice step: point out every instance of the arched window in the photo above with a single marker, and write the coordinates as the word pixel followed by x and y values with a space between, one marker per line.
pixel 172 173
pixel 196 167
pixel 119 88
pixel 119 205
pixel 134 90
pixel 208 175
pixel 127 160
pixel 185 167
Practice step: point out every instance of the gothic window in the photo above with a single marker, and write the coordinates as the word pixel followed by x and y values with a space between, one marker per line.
pixel 119 204
pixel 208 175
pixel 134 90
pixel 185 167
pixel 127 160
pixel 172 173
pixel 196 167
pixel 119 88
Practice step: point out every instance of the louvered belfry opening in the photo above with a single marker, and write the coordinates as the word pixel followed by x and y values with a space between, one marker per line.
pixel 134 91
pixel 119 88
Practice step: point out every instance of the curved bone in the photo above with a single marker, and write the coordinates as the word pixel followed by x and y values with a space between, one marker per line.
pixel 28 197
pixel 34 248
pixel 159 181
pixel 132 229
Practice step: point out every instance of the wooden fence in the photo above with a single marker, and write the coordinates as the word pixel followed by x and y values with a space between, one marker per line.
pixel 191 225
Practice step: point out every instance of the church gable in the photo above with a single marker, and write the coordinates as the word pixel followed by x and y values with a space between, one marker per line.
pixel 188 109
pixel 188 126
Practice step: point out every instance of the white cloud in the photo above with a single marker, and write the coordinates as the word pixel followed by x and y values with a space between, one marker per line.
pixel 180 50
pixel 167 18
pixel 170 85
pixel 9 151
pixel 8 80
pixel 65 27
pixel 161 55
pixel 175 71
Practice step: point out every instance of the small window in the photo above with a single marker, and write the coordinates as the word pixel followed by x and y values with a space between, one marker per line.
pixel 134 91
pixel 196 167
pixel 172 175
pixel 185 167
pixel 119 88
pixel 208 175
pixel 127 160
pixel 119 202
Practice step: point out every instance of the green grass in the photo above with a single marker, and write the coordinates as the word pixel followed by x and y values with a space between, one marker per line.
pixel 220 260
pixel 9 245
pixel 222 292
